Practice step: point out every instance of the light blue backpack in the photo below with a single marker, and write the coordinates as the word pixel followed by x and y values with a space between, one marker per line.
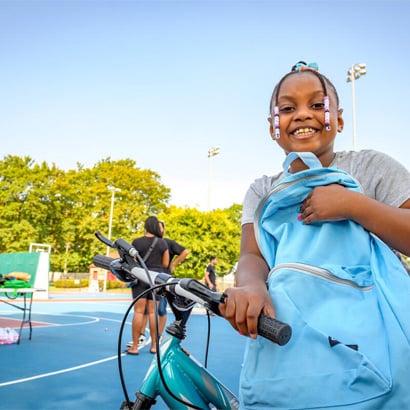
pixel 346 296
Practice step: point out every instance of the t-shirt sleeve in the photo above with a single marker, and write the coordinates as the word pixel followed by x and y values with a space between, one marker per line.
pixel 254 194
pixel 383 178
pixel 175 248
pixel 162 245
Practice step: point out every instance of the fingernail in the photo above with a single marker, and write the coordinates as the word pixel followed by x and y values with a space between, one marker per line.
pixel 299 217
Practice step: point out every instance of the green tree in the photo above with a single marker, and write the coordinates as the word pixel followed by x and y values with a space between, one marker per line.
pixel 24 199
pixel 64 209
pixel 88 205
pixel 204 234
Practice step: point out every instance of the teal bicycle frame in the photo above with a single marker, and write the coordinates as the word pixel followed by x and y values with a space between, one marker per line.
pixel 186 378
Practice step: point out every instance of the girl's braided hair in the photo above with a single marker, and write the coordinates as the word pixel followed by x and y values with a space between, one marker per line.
pixel 301 66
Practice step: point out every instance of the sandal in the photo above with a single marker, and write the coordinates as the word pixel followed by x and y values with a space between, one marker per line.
pixel 131 353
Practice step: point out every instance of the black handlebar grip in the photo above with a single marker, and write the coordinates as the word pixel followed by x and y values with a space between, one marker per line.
pixel 102 261
pixel 274 330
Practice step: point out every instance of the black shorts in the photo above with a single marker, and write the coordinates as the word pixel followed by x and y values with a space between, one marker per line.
pixel 139 288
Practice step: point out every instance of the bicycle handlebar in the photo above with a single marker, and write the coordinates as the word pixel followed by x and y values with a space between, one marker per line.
pixel 103 262
pixel 268 327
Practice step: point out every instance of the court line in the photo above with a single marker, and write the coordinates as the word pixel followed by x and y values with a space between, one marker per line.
pixel 95 319
pixel 70 369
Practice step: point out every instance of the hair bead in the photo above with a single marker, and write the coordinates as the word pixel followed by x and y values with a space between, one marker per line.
pixel 276 122
pixel 327 113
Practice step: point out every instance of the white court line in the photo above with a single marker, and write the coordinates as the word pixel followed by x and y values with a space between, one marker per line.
pixel 70 369
pixel 91 319
pixel 40 376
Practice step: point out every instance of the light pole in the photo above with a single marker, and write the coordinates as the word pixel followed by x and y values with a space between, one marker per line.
pixel 113 190
pixel 353 74
pixel 211 153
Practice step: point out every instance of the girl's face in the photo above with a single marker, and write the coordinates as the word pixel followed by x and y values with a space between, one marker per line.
pixel 302 117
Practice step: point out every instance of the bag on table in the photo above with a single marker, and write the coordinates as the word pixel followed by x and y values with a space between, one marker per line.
pixel 8 336
pixel 16 283
pixel 19 275
pixel 346 296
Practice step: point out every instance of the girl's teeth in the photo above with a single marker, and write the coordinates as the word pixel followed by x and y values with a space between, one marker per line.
pixel 303 131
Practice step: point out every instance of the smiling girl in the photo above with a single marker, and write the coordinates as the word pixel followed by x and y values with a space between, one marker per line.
pixel 305 117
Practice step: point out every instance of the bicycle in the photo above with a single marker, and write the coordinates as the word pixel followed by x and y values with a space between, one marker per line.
pixel 172 366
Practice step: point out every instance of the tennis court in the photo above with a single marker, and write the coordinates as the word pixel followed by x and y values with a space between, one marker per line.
pixel 71 361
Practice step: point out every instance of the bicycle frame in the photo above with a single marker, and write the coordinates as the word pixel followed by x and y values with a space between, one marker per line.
pixel 186 377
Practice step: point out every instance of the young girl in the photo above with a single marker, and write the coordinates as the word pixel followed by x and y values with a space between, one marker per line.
pixel 305 117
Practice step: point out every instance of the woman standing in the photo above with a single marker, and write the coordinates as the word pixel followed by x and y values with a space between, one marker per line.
pixel 154 250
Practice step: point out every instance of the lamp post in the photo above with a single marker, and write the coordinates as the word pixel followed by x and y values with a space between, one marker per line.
pixel 113 190
pixel 353 74
pixel 211 153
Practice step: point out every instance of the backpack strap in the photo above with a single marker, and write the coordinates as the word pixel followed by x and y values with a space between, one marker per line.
pixel 154 242
pixel 308 158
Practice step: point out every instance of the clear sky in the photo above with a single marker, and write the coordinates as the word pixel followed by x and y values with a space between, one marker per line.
pixel 163 81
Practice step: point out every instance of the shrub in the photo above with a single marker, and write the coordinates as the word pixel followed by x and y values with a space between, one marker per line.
pixel 71 283
pixel 116 284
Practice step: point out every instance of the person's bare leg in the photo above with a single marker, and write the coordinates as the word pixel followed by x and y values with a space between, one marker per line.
pixel 152 325
pixel 137 321
pixel 144 324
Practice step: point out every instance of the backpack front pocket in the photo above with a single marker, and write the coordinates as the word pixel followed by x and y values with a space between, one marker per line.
pixel 337 355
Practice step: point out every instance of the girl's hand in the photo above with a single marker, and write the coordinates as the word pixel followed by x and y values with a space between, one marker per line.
pixel 327 203
pixel 244 305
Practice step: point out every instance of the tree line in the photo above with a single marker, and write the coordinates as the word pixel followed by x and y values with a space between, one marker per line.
pixel 43 204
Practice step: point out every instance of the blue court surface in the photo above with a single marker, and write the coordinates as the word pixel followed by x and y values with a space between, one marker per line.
pixel 71 361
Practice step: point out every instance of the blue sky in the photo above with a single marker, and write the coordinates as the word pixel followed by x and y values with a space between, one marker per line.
pixel 163 81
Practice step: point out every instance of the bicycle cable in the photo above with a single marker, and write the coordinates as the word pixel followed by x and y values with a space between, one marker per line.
pixel 161 375
pixel 208 339
pixel 119 352
pixel 121 330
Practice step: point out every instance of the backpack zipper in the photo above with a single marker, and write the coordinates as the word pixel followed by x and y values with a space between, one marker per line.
pixel 320 273
pixel 277 188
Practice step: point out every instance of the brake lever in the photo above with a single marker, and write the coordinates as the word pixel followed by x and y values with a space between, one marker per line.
pixel 104 240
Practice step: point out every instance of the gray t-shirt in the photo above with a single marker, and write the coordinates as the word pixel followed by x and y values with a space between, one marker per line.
pixel 381 177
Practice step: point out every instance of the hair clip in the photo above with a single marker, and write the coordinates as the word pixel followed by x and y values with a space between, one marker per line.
pixel 301 65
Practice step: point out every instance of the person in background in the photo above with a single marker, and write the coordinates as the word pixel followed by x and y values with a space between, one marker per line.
pixel 154 250
pixel 210 273
pixel 177 254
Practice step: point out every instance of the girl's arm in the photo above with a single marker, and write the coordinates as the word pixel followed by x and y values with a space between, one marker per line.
pixel 250 297
pixel 334 202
